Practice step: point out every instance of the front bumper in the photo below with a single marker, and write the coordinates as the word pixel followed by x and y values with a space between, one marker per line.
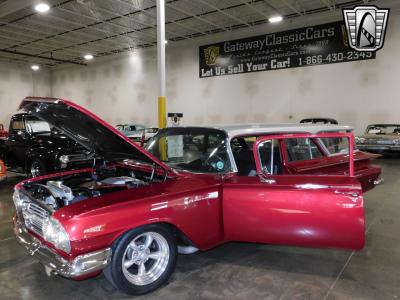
pixel 53 262
pixel 378 148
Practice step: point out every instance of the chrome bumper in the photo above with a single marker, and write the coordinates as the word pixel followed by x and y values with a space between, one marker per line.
pixel 379 181
pixel 54 263
pixel 378 147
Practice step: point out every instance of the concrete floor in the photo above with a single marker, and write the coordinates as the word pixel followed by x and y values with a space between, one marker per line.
pixel 237 270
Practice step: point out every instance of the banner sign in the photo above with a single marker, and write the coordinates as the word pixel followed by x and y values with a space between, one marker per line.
pixel 308 46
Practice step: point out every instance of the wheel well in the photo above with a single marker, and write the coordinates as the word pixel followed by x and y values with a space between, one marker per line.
pixel 43 159
pixel 181 238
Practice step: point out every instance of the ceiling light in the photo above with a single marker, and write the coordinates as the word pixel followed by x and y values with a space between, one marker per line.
pixel 35 67
pixel 275 19
pixel 42 7
pixel 88 56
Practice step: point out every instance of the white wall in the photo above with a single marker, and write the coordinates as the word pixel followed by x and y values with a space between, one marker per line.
pixel 124 89
pixel 18 81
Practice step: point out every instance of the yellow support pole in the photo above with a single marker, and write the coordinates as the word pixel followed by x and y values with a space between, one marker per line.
pixel 162 123
pixel 162 112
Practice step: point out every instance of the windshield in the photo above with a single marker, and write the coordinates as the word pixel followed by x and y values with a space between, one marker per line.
pixel 200 150
pixel 384 129
pixel 37 126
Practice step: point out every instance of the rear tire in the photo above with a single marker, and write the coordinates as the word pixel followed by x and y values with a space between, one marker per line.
pixel 143 260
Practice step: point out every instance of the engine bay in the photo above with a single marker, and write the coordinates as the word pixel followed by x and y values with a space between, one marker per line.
pixel 63 191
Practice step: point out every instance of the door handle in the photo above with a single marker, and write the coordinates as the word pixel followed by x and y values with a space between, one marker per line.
pixel 352 194
pixel 269 181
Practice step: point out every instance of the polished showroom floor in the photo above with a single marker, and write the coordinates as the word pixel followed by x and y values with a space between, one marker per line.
pixel 236 270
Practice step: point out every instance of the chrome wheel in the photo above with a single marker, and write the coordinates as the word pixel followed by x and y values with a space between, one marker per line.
pixel 145 258
pixel 36 169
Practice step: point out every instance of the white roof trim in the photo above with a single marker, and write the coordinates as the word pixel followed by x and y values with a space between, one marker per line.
pixel 258 129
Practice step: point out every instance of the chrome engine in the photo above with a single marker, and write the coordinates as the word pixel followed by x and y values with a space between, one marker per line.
pixel 55 194
pixel 122 180
pixel 58 190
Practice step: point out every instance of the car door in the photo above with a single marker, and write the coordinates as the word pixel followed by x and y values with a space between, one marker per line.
pixel 304 210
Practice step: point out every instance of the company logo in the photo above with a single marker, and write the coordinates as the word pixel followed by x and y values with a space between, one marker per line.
pixel 366 27
pixel 211 54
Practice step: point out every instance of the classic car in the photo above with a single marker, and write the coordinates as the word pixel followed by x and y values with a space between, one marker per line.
pixel 3 132
pixel 380 138
pixel 3 171
pixel 149 132
pixel 132 131
pixel 35 148
pixel 319 121
pixel 194 188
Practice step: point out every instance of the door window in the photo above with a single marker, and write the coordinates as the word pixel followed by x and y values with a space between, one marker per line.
pixel 270 157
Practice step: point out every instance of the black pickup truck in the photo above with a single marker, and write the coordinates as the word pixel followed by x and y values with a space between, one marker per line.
pixel 34 148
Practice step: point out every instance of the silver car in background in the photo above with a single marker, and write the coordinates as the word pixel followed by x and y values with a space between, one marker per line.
pixel 380 138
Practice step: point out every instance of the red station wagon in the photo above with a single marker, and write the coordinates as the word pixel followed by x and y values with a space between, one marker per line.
pixel 192 188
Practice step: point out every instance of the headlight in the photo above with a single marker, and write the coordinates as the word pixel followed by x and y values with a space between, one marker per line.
pixel 64 159
pixel 54 233
pixel 359 140
pixel 19 199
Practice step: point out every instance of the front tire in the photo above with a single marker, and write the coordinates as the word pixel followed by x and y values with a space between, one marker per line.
pixel 143 260
pixel 37 168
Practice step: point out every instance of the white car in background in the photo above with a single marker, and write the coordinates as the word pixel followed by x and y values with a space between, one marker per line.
pixel 132 131
pixel 149 132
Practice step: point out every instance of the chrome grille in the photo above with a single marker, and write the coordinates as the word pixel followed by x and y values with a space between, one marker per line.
pixel 34 217
pixel 385 142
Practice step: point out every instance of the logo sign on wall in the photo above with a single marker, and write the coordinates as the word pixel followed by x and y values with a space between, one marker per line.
pixel 366 27
pixel 308 46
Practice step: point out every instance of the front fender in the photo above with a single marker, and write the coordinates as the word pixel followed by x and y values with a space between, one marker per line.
pixel 197 214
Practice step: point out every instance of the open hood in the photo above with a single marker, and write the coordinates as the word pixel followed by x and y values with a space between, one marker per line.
pixel 87 129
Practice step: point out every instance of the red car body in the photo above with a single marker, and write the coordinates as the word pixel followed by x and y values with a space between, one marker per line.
pixel 3 132
pixel 317 203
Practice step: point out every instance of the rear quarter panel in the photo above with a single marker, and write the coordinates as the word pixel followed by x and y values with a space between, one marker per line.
pixel 364 171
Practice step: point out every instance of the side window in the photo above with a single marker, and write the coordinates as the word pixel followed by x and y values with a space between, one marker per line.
pixel 242 150
pixel 270 157
pixel 302 149
pixel 17 125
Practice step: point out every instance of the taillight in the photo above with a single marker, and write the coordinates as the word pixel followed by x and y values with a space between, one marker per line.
pixel 2 167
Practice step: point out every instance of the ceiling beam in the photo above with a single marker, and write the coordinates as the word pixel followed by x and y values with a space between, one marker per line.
pixel 194 16
pixel 250 6
pixel 241 21
pixel 329 4
pixel 43 57
pixel 293 8
pixel 12 6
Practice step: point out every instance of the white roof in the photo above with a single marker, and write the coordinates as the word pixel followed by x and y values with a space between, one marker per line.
pixel 257 129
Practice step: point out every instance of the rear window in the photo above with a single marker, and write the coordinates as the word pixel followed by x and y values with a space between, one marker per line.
pixel 302 149
pixel 17 125
pixel 336 145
